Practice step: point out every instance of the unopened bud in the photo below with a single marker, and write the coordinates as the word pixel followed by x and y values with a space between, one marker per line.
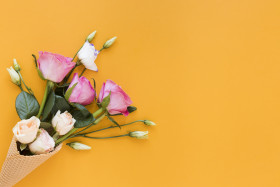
pixel 109 42
pixel 91 36
pixel 139 134
pixel 78 146
pixel 14 76
pixel 149 123
pixel 16 66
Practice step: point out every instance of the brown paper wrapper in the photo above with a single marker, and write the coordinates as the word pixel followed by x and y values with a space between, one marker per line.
pixel 17 166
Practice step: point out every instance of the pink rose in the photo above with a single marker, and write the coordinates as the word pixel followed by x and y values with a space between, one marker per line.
pixel 44 143
pixel 83 93
pixel 54 67
pixel 119 100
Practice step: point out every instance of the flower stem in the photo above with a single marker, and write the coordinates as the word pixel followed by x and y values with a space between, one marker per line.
pixel 28 88
pixel 106 137
pixel 83 72
pixel 97 112
pixel 109 128
pixel 68 135
pixel 47 89
pixel 65 136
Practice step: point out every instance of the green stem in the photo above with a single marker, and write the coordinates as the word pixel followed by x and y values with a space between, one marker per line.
pixel 28 88
pixel 65 136
pixel 97 112
pixel 109 128
pixel 47 89
pixel 20 87
pixel 106 137
pixel 83 72
pixel 101 49
pixel 68 135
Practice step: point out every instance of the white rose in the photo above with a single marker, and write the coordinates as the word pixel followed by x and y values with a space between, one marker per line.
pixel 63 123
pixel 44 143
pixel 25 131
pixel 87 56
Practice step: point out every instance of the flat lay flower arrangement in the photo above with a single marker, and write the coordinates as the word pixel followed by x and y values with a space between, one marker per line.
pixel 62 114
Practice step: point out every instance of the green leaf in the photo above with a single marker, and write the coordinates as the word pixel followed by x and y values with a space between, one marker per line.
pixel 130 109
pixel 22 146
pixel 26 105
pixel 106 101
pixel 60 104
pixel 48 127
pixel 82 109
pixel 113 120
pixel 82 116
pixel 81 120
pixel 49 105
pixel 69 92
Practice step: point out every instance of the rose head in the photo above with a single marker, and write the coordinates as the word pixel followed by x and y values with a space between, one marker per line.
pixel 87 56
pixel 26 130
pixel 119 100
pixel 63 122
pixel 44 143
pixel 54 67
pixel 83 93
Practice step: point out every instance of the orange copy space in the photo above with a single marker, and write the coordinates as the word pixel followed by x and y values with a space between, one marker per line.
pixel 207 72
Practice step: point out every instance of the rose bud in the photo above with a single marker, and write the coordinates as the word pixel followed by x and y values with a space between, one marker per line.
pixel 119 100
pixel 149 123
pixel 108 43
pixel 16 65
pixel 14 76
pixel 83 93
pixel 139 134
pixel 87 56
pixel 44 143
pixel 26 130
pixel 78 146
pixel 63 123
pixel 54 67
pixel 91 36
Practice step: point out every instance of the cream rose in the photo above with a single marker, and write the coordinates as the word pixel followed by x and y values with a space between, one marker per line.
pixel 25 131
pixel 44 143
pixel 63 123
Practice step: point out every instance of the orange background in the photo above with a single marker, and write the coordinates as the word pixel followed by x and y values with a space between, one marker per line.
pixel 207 72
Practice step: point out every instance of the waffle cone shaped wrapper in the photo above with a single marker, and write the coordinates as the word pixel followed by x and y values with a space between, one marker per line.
pixel 17 166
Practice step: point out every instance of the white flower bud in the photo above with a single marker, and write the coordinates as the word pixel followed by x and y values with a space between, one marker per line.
pixel 149 123
pixel 16 65
pixel 139 134
pixel 78 146
pixel 14 76
pixel 109 42
pixel 91 36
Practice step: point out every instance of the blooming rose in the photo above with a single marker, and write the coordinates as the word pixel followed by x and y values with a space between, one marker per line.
pixel 87 56
pixel 26 130
pixel 119 100
pixel 63 123
pixel 83 93
pixel 54 67
pixel 44 143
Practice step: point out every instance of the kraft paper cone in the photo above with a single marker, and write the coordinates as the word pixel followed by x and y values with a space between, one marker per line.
pixel 17 166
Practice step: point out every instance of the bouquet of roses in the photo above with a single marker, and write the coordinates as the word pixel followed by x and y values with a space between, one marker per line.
pixel 62 114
